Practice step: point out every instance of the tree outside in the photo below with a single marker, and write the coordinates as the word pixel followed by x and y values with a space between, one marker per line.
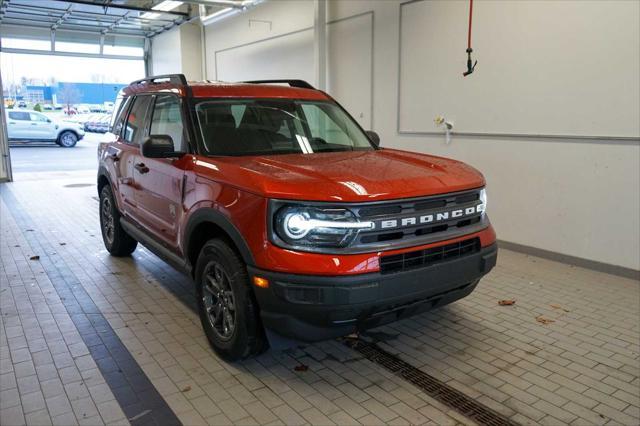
pixel 68 95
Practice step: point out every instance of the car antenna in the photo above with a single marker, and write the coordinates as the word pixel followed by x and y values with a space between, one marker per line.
pixel 470 67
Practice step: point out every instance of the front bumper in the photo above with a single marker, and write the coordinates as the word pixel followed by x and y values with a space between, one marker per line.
pixel 312 308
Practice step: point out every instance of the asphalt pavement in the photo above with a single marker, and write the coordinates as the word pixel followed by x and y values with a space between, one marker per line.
pixel 49 157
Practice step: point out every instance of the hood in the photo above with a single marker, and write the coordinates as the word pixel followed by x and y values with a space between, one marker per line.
pixel 343 176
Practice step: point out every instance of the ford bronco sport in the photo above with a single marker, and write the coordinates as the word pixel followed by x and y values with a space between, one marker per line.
pixel 286 213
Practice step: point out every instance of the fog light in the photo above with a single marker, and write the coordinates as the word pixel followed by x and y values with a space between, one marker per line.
pixel 261 282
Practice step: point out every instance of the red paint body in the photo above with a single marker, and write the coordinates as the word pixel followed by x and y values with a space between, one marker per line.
pixel 239 187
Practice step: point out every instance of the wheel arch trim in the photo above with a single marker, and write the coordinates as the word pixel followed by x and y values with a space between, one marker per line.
pixel 213 216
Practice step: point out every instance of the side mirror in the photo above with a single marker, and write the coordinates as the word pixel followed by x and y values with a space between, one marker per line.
pixel 373 137
pixel 48 120
pixel 159 146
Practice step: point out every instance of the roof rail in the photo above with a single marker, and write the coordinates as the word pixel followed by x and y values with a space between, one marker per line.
pixel 293 83
pixel 178 79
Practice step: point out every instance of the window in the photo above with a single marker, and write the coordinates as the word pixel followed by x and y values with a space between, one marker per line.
pixel 22 43
pixel 119 113
pixel 66 46
pixel 167 120
pixel 18 115
pixel 327 127
pixel 123 50
pixel 38 117
pixel 271 126
pixel 134 130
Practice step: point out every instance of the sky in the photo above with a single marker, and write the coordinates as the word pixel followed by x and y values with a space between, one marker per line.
pixel 14 66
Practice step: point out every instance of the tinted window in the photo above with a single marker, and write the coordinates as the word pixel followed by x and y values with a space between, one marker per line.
pixel 15 115
pixel 167 120
pixel 134 129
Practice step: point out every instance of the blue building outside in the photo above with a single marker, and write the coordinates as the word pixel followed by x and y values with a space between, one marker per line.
pixel 89 93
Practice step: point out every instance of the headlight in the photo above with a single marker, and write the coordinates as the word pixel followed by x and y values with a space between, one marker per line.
pixel 300 226
pixel 483 200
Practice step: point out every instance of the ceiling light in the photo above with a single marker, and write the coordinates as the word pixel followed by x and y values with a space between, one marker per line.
pixel 164 6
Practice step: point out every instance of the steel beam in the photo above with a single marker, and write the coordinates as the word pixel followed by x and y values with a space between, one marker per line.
pixel 127 7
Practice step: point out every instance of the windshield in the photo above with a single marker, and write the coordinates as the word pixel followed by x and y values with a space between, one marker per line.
pixel 267 127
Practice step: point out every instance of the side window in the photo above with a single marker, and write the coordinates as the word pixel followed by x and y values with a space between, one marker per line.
pixel 19 115
pixel 119 116
pixel 136 120
pixel 37 117
pixel 167 120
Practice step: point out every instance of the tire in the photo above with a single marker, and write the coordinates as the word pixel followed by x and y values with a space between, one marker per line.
pixel 67 139
pixel 225 297
pixel 117 242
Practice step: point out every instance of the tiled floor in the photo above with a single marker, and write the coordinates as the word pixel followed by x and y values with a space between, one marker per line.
pixel 91 339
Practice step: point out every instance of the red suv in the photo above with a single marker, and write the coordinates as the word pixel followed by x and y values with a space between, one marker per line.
pixel 287 214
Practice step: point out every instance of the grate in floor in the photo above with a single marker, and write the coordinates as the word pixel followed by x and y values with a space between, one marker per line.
pixel 433 387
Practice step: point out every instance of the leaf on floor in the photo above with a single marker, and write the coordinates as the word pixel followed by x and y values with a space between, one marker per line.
pixel 543 320
pixel 556 306
pixel 301 367
pixel 506 302
pixel 186 388
pixel 36 257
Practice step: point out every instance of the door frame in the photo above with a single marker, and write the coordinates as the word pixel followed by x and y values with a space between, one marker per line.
pixel 6 174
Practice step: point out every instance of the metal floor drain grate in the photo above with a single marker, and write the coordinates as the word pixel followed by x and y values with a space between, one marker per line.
pixel 433 387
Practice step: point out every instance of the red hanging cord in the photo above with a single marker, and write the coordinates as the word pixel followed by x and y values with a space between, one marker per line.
pixel 470 19
pixel 470 64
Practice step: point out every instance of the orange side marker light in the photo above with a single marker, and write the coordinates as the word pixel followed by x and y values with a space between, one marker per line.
pixel 261 282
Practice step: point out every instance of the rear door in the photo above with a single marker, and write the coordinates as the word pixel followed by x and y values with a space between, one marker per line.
pixel 18 124
pixel 159 180
pixel 126 149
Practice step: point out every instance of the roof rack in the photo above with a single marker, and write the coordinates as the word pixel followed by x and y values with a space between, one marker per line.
pixel 293 83
pixel 178 79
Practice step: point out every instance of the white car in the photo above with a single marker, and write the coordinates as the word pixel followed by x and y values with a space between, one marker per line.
pixel 26 125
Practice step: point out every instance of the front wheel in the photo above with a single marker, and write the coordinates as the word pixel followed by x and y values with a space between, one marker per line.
pixel 67 139
pixel 116 240
pixel 228 309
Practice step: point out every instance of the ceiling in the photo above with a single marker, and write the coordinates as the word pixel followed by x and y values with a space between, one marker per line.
pixel 102 17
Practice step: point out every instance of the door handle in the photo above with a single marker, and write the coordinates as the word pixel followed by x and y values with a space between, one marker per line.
pixel 141 168
pixel 34 124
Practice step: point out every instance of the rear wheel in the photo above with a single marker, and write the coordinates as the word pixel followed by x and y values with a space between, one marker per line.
pixel 115 238
pixel 228 310
pixel 67 139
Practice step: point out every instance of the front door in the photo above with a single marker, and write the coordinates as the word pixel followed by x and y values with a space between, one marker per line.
pixel 159 181
pixel 42 128
pixel 130 136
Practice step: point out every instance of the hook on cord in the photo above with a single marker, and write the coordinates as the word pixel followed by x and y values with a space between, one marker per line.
pixel 470 67
pixel 470 64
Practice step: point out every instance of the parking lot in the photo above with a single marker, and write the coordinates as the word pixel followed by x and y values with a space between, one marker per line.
pixel 32 157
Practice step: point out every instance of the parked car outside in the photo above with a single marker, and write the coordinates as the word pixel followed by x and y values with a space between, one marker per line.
pixel 98 123
pixel 288 215
pixel 32 126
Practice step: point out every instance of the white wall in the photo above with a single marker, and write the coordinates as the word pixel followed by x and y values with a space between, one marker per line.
pixel 579 197
pixel 178 51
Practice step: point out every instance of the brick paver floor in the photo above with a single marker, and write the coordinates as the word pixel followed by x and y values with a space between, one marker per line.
pixel 567 352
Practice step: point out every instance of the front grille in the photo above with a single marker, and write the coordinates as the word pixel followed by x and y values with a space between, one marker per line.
pixel 398 222
pixel 427 257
